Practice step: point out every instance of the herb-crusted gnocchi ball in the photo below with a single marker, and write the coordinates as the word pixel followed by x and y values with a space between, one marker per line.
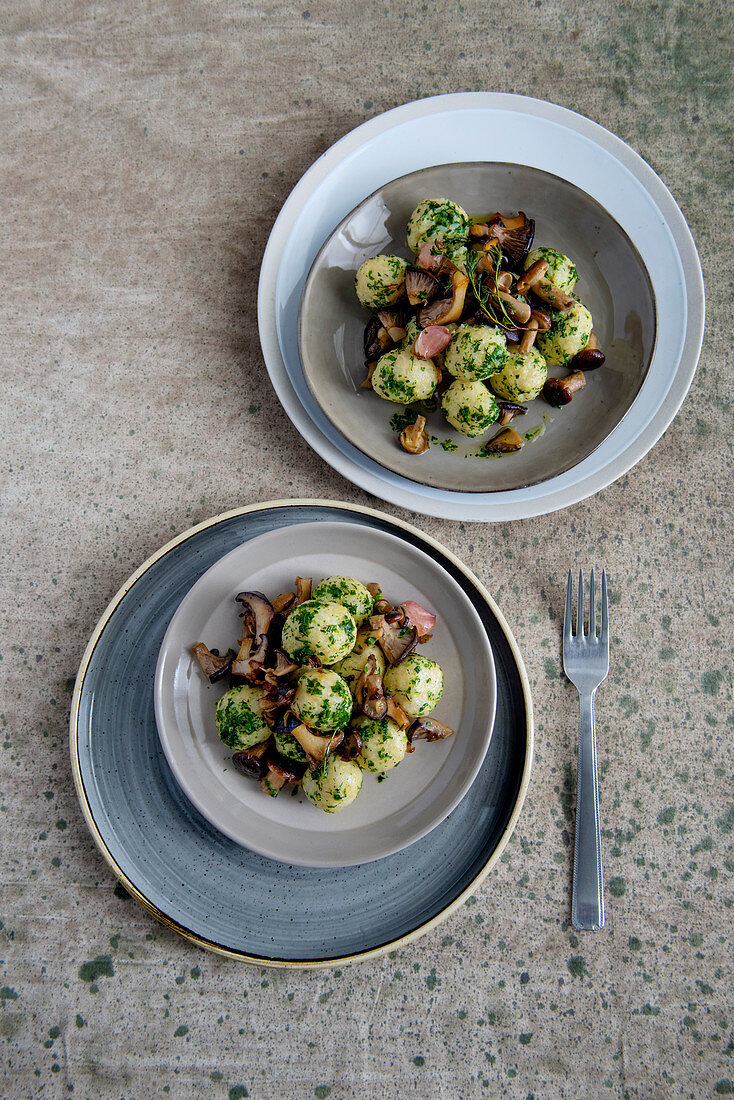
pixel 416 684
pixel 522 377
pixel 333 785
pixel 476 352
pixel 569 333
pixel 319 628
pixel 322 700
pixel 380 281
pixel 239 717
pixel 469 407
pixel 384 744
pixel 351 668
pixel 352 594
pixel 561 271
pixel 434 218
pixel 403 378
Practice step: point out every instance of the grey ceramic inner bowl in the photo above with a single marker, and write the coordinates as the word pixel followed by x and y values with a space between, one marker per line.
pixel 613 284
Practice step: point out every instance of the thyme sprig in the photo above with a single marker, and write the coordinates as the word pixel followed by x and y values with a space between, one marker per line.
pixel 489 303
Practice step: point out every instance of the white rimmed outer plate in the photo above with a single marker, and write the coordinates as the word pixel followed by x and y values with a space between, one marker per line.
pixel 386 816
pixel 495 128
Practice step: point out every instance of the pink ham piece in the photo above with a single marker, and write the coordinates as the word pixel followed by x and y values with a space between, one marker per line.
pixel 423 621
pixel 429 258
pixel 432 340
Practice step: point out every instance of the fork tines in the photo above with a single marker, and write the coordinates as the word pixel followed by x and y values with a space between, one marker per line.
pixel 568 630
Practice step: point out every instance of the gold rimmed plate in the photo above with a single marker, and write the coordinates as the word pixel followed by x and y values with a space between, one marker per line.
pixel 211 889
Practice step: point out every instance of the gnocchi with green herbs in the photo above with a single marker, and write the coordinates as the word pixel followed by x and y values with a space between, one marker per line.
pixel 470 323
pixel 326 683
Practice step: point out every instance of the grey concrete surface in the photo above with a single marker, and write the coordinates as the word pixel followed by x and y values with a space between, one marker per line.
pixel 146 150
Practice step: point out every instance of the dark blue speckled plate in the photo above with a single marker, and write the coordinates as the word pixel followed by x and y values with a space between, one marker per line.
pixel 210 889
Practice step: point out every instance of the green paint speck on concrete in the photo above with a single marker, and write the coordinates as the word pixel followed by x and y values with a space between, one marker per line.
pixel 577 966
pixel 101 967
pixel 711 682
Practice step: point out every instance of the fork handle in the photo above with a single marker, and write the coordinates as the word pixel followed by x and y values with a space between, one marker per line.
pixel 587 911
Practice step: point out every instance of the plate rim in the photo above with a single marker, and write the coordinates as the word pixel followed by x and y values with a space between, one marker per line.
pixel 194 937
pixel 307 374
pixel 477 507
pixel 183 780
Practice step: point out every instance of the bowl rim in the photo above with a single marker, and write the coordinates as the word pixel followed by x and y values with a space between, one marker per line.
pixel 469 164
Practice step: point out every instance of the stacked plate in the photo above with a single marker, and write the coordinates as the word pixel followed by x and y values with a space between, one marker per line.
pixel 275 881
pixel 589 192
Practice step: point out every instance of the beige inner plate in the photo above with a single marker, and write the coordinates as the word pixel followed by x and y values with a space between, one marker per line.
pixel 613 284
pixel 386 816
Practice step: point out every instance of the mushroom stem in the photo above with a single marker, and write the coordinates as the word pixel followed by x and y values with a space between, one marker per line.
pixel 528 337
pixel 557 299
pixel 366 384
pixel 413 437
pixel 533 275
pixel 520 310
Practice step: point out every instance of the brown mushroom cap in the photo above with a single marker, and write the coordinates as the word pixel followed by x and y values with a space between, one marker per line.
pixel 397 638
pixel 377 339
pixel 315 745
pixel 560 391
pixel 420 286
pixel 508 411
pixel 428 728
pixel 257 616
pixel 351 746
pixel 211 664
pixel 504 442
pixel 251 762
pixel 588 359
pixel 515 235
pixel 446 310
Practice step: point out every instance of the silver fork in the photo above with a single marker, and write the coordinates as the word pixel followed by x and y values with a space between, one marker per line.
pixel 586 663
